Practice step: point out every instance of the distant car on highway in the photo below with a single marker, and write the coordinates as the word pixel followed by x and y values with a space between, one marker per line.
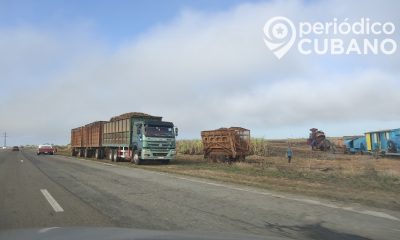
pixel 46 149
pixel 15 148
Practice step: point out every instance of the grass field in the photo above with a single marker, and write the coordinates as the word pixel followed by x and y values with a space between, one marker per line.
pixel 354 178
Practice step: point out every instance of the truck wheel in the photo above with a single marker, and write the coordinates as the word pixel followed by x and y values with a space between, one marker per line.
pixel 136 159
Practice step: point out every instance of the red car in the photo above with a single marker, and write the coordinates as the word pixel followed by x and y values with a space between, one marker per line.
pixel 46 149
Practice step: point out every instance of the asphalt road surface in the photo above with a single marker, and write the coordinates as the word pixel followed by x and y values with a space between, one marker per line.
pixel 57 191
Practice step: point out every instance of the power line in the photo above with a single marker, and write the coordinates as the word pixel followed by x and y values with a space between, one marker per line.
pixel 5 139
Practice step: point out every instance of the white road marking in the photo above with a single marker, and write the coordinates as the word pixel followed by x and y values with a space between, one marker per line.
pixel 52 201
pixel 43 230
pixel 108 164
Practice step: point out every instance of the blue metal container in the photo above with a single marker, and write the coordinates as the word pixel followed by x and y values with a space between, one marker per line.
pixel 385 141
pixel 355 144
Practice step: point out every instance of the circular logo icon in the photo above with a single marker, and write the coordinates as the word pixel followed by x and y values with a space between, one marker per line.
pixel 280 34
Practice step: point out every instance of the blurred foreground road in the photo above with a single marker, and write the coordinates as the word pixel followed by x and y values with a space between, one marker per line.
pixel 58 191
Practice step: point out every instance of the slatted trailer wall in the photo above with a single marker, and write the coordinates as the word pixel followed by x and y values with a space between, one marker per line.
pixel 94 134
pixel 118 131
pixel 76 137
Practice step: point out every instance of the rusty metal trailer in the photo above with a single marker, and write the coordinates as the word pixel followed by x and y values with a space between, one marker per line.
pixel 86 141
pixel 228 144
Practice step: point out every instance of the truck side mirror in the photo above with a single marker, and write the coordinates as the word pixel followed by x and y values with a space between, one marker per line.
pixel 176 131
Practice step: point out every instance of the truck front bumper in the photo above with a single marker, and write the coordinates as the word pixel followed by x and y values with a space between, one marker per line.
pixel 148 154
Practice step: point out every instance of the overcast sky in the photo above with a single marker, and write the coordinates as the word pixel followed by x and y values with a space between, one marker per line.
pixel 199 64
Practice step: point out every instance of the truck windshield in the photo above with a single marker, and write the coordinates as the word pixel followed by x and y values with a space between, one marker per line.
pixel 159 131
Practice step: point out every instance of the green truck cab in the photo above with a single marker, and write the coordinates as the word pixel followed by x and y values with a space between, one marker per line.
pixel 139 136
pixel 153 140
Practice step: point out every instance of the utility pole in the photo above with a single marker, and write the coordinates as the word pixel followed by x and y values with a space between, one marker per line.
pixel 5 139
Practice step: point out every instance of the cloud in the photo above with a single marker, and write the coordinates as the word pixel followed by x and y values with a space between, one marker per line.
pixel 337 99
pixel 199 70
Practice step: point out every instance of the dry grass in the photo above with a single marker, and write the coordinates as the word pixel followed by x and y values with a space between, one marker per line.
pixel 258 146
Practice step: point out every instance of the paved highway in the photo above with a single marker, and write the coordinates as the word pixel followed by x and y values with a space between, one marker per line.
pixel 50 191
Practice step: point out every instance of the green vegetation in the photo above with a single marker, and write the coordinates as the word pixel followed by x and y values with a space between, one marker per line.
pixel 193 147
pixel 258 146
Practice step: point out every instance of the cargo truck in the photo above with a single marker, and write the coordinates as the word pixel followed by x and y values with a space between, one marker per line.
pixel 132 137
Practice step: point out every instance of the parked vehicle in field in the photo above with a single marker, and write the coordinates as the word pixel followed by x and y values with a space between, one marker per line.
pixel 382 142
pixel 318 141
pixel 385 142
pixel 15 148
pixel 227 144
pixel 131 136
pixel 46 149
pixel 355 144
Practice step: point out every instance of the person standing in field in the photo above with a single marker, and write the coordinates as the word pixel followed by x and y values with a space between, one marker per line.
pixel 289 154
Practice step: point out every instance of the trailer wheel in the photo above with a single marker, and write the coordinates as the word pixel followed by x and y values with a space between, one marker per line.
pixel 392 147
pixel 98 154
pixel 115 157
pixel 110 155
